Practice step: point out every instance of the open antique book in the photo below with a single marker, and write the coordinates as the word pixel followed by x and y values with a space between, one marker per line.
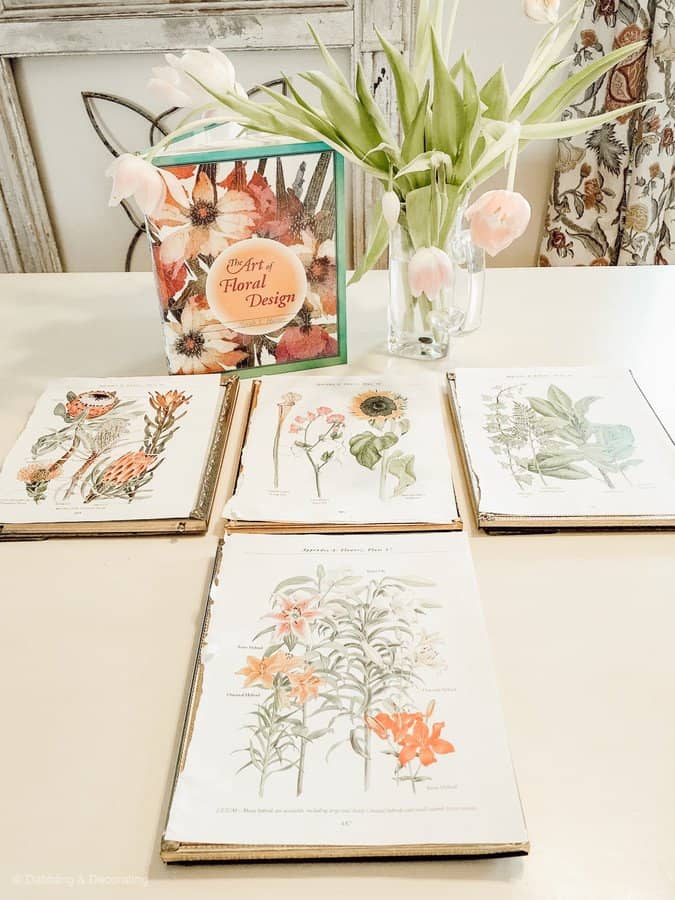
pixel 562 448
pixel 343 704
pixel 344 453
pixel 118 456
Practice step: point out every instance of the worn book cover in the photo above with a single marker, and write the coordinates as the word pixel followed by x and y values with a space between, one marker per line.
pixel 346 706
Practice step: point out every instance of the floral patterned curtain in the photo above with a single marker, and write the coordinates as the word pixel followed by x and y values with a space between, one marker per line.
pixel 612 200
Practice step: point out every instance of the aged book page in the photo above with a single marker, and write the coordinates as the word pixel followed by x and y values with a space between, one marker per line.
pixel 347 450
pixel 111 449
pixel 346 697
pixel 564 442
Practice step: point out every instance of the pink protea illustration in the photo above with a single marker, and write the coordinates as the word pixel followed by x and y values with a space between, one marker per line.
pixel 91 404
pixel 129 466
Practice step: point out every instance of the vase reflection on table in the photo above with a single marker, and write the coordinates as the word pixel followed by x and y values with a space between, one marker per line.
pixel 421 325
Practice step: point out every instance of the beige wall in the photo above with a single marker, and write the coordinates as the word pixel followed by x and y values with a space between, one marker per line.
pixel 494 32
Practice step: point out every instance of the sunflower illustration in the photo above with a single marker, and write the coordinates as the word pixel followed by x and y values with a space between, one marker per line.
pixel 378 406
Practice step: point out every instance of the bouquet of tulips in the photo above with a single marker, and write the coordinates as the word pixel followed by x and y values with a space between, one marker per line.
pixel 453 133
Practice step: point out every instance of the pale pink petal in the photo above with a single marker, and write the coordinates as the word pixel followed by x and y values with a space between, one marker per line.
pixel 497 218
pixel 429 272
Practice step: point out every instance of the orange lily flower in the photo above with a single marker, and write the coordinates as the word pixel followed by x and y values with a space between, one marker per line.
pixel 263 670
pixel 424 744
pixel 397 724
pixel 305 685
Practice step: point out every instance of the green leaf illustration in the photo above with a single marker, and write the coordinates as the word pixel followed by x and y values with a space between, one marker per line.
pixel 560 400
pixel 402 467
pixel 618 440
pixel 543 407
pixel 570 472
pixel 582 406
pixel 367 448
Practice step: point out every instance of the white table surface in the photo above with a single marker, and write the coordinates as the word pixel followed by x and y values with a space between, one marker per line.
pixel 97 636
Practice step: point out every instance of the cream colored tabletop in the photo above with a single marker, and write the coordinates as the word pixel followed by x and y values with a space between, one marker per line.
pixel 97 636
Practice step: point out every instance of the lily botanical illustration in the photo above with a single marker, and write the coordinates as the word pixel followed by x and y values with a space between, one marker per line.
pixel 544 438
pixel 413 740
pixel 284 406
pixel 343 658
pixel 385 411
pixel 124 476
pixel 319 434
pixel 294 617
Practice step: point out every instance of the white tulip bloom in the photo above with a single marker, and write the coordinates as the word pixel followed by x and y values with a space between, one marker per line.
pixel 542 11
pixel 135 177
pixel 391 207
pixel 180 83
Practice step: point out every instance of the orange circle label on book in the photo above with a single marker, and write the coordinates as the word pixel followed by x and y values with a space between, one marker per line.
pixel 256 286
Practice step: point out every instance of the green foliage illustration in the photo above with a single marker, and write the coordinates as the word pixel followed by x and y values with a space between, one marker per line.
pixel 542 438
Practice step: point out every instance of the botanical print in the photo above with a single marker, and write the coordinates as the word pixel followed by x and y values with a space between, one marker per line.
pixel 216 205
pixel 319 434
pixel 344 661
pixel 347 697
pixel 385 412
pixel 612 199
pixel 284 406
pixel 126 475
pixel 345 450
pixel 539 439
pixel 97 422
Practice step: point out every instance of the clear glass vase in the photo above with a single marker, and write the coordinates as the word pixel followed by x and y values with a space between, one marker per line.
pixel 421 327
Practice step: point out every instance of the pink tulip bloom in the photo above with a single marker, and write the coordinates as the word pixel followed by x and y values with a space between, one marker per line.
pixel 497 218
pixel 135 177
pixel 335 419
pixel 429 272
pixel 324 410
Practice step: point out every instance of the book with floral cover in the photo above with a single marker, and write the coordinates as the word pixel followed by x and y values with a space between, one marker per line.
pixel 248 255
pixel 561 447
pixel 347 708
pixel 117 455
pixel 345 453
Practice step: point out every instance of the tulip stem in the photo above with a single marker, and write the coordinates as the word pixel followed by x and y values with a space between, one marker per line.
pixel 513 161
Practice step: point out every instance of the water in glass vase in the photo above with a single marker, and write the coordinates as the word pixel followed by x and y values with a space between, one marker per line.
pixel 424 309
